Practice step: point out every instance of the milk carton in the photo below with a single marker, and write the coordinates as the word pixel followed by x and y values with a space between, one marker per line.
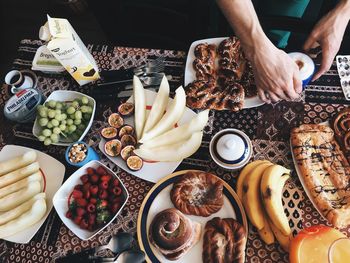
pixel 69 50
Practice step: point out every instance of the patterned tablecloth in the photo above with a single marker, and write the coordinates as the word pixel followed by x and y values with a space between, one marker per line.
pixel 268 126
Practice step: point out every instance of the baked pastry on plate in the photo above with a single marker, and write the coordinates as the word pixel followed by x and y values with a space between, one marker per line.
pixel 224 241
pixel 204 64
pixel 173 234
pixel 198 193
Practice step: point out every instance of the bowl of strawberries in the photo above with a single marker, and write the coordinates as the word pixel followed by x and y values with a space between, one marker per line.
pixel 90 199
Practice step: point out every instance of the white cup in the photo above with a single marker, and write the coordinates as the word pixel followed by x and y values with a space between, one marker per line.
pixel 18 81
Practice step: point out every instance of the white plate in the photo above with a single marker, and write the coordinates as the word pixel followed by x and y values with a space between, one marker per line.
pixel 66 95
pixel 190 74
pixel 54 173
pixel 158 199
pixel 151 172
pixel 60 200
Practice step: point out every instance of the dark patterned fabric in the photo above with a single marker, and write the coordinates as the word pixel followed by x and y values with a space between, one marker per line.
pixel 268 126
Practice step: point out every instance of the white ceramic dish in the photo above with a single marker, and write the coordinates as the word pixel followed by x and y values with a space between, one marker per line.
pixel 151 171
pixel 60 200
pixel 67 95
pixel 190 74
pixel 158 199
pixel 54 173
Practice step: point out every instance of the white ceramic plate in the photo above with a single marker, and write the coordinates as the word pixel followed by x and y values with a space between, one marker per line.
pixel 190 74
pixel 158 199
pixel 66 95
pixel 154 171
pixel 54 173
pixel 60 200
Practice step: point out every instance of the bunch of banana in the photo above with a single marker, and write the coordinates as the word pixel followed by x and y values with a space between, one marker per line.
pixel 259 186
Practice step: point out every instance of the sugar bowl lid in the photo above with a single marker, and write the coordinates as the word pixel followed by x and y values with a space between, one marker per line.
pixel 230 148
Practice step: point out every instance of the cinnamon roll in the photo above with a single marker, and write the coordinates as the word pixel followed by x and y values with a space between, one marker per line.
pixel 173 234
pixel 198 193
pixel 224 241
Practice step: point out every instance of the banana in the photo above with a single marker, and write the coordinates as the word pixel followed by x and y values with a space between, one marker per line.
pixel 266 233
pixel 283 240
pixel 245 171
pixel 252 197
pixel 272 183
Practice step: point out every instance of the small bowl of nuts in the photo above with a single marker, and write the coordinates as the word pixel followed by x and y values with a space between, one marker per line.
pixel 79 153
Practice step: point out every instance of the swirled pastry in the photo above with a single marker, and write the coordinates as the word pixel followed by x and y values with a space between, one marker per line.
pixel 341 126
pixel 224 241
pixel 173 234
pixel 198 193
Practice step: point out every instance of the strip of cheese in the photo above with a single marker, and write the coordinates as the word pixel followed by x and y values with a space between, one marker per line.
pixel 18 162
pixel 19 174
pixel 26 220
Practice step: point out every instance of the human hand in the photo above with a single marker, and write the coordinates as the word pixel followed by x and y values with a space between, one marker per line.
pixel 328 33
pixel 276 74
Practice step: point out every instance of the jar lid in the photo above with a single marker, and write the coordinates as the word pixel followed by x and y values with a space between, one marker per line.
pixel 305 64
pixel 230 148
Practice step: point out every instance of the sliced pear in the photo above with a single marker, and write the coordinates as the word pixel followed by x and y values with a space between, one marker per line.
pixel 172 152
pixel 180 133
pixel 140 106
pixel 158 106
pixel 172 116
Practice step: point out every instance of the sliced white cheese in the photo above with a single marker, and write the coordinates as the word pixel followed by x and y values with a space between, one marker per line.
pixel 18 162
pixel 140 106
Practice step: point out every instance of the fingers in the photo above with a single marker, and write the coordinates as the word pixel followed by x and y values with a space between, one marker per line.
pixel 297 83
pixel 327 60
pixel 274 98
pixel 309 43
pixel 263 96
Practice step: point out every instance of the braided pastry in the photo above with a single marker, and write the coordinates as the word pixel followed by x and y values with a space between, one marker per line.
pixel 198 193
pixel 224 241
pixel 204 64
pixel 173 234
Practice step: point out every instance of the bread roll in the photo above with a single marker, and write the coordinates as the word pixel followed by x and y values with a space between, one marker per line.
pixel 27 219
pixel 18 174
pixel 11 188
pixel 19 210
pixel 12 200
pixel 18 162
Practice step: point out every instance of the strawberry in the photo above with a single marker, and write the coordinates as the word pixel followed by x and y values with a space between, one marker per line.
pixel 78 187
pixel 86 193
pixel 84 178
pixel 81 202
pixel 115 207
pixel 69 214
pixel 77 194
pixel 93 200
pixel 77 219
pixel 106 177
pixel 104 185
pixel 101 170
pixel 92 219
pixel 101 205
pixel 117 191
pixel 94 178
pixel 93 190
pixel 115 182
pixel 103 194
pixel 80 211
pixel 84 224
pixel 90 171
pixel 91 208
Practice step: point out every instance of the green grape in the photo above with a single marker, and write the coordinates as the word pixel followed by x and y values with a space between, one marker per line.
pixel 42 112
pixel 72 128
pixel 78 115
pixel 47 141
pixel 72 116
pixel 51 104
pixel 87 116
pixel 41 138
pixel 70 110
pixel 55 122
pixel 49 125
pixel 84 109
pixel 89 109
pixel 58 111
pixel 64 122
pixel 63 116
pixel 84 100
pixel 56 130
pixel 39 107
pixel 43 122
pixel 75 104
pixel 69 122
pixel 62 127
pixel 51 114
pixel 54 138
pixel 46 132
pixel 58 117
pixel 59 105
pixel 77 121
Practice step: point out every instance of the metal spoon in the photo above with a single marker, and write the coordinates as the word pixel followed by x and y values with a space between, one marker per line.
pixel 118 243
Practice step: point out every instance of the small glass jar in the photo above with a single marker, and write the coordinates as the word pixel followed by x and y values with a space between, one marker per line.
pixel 79 153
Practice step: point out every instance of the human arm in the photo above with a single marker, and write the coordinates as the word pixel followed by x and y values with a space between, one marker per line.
pixel 328 33
pixel 275 73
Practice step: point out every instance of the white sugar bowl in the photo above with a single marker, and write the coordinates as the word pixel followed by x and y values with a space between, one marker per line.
pixel 231 149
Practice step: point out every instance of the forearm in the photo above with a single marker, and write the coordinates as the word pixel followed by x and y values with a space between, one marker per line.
pixel 243 19
pixel 343 7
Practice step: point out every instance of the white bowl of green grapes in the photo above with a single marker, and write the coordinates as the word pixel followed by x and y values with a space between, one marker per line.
pixel 65 117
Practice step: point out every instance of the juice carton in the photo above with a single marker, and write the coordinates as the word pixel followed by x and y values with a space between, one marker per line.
pixel 66 46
